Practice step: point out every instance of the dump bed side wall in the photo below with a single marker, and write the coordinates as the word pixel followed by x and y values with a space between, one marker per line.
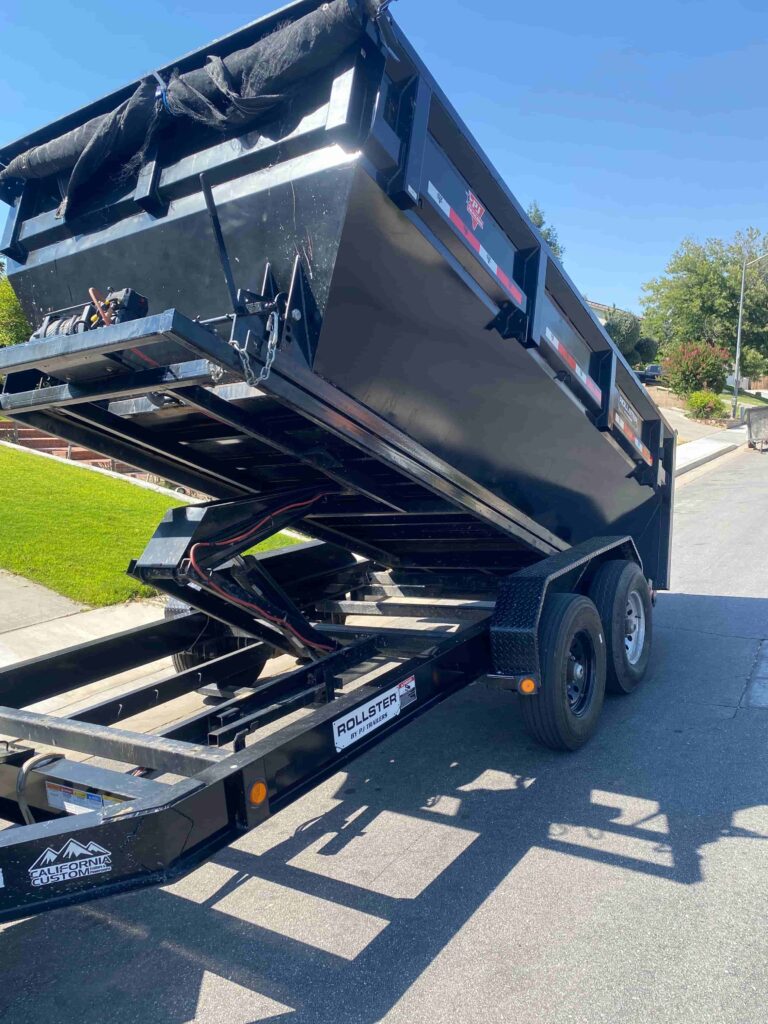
pixel 407 338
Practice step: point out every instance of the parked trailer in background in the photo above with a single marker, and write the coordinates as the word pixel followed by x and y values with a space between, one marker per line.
pixel 757 428
pixel 304 291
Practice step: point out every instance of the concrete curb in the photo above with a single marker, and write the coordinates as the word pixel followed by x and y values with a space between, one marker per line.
pixel 704 459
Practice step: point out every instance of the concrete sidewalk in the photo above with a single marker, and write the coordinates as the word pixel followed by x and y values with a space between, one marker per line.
pixel 23 603
pixel 711 446
pixel 687 428
pixel 35 620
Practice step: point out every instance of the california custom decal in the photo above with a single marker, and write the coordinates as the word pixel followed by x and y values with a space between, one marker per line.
pixel 73 860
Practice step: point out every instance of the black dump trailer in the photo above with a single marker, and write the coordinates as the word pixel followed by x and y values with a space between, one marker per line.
pixel 281 274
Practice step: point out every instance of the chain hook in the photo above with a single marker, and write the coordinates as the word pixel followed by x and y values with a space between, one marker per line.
pixel 252 378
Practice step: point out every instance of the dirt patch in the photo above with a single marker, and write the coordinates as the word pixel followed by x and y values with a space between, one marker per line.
pixel 665 399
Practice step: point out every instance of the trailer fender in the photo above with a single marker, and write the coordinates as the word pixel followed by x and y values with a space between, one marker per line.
pixel 515 623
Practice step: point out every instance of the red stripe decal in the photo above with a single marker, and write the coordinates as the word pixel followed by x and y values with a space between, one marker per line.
pixel 634 440
pixel 459 223
pixel 581 375
pixel 568 358
pixel 510 285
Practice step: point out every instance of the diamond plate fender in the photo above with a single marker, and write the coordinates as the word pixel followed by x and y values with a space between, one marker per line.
pixel 515 622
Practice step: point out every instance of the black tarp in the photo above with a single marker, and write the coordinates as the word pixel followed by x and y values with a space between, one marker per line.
pixel 223 93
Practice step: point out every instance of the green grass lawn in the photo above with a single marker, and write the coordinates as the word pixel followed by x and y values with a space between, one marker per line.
pixel 744 399
pixel 75 531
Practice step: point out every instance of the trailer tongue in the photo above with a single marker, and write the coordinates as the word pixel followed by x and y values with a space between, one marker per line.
pixel 317 306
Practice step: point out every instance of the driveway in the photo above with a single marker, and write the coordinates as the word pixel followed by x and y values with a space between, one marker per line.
pixel 688 429
pixel 459 873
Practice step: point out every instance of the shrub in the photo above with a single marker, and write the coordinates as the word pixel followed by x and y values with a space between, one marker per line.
pixel 696 367
pixel 647 351
pixel 705 405
pixel 13 324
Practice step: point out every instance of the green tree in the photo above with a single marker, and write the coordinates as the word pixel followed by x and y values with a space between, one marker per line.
pixel 549 232
pixel 13 324
pixel 753 364
pixel 696 299
pixel 624 329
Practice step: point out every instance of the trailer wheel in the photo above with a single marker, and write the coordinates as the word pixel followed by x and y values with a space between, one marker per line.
pixel 214 641
pixel 564 713
pixel 623 599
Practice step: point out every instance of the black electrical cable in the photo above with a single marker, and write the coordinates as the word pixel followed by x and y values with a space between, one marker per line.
pixel 242 538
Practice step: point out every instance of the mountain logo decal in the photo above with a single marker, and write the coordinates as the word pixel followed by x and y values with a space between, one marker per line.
pixel 74 860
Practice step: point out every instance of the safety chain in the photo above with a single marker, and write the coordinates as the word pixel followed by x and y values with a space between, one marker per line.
pixel 253 379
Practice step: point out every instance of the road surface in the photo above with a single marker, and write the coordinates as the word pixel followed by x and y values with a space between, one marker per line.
pixel 459 873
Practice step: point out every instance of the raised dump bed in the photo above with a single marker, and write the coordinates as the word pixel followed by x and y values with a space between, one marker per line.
pixel 303 291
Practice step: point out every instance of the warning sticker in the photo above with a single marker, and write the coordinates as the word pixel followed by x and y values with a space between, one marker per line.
pixel 366 719
pixel 76 801
pixel 407 691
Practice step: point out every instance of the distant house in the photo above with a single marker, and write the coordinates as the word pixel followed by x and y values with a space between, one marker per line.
pixel 603 312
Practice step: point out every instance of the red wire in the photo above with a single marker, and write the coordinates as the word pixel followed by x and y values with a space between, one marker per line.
pixel 244 536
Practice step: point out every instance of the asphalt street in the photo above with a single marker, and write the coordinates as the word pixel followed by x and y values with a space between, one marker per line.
pixel 459 873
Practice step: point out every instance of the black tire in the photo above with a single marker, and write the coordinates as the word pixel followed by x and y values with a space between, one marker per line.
pixel 563 715
pixel 214 641
pixel 611 590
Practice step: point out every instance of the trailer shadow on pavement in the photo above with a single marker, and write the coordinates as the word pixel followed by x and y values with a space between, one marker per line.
pixel 457 840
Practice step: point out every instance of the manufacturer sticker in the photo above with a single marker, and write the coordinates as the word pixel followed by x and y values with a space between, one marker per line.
pixel 76 801
pixel 629 411
pixel 72 861
pixel 476 211
pixel 366 719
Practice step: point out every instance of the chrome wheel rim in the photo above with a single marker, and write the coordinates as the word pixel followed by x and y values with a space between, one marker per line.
pixel 634 627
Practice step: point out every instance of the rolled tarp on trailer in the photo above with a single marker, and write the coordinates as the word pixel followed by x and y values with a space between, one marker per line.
pixel 224 93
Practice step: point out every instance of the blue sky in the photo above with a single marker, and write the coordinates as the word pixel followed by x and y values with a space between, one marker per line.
pixel 633 125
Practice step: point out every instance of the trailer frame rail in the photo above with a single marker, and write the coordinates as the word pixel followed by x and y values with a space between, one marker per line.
pixel 199 797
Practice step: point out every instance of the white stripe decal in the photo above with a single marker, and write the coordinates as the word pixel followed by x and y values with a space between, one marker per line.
pixel 444 205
